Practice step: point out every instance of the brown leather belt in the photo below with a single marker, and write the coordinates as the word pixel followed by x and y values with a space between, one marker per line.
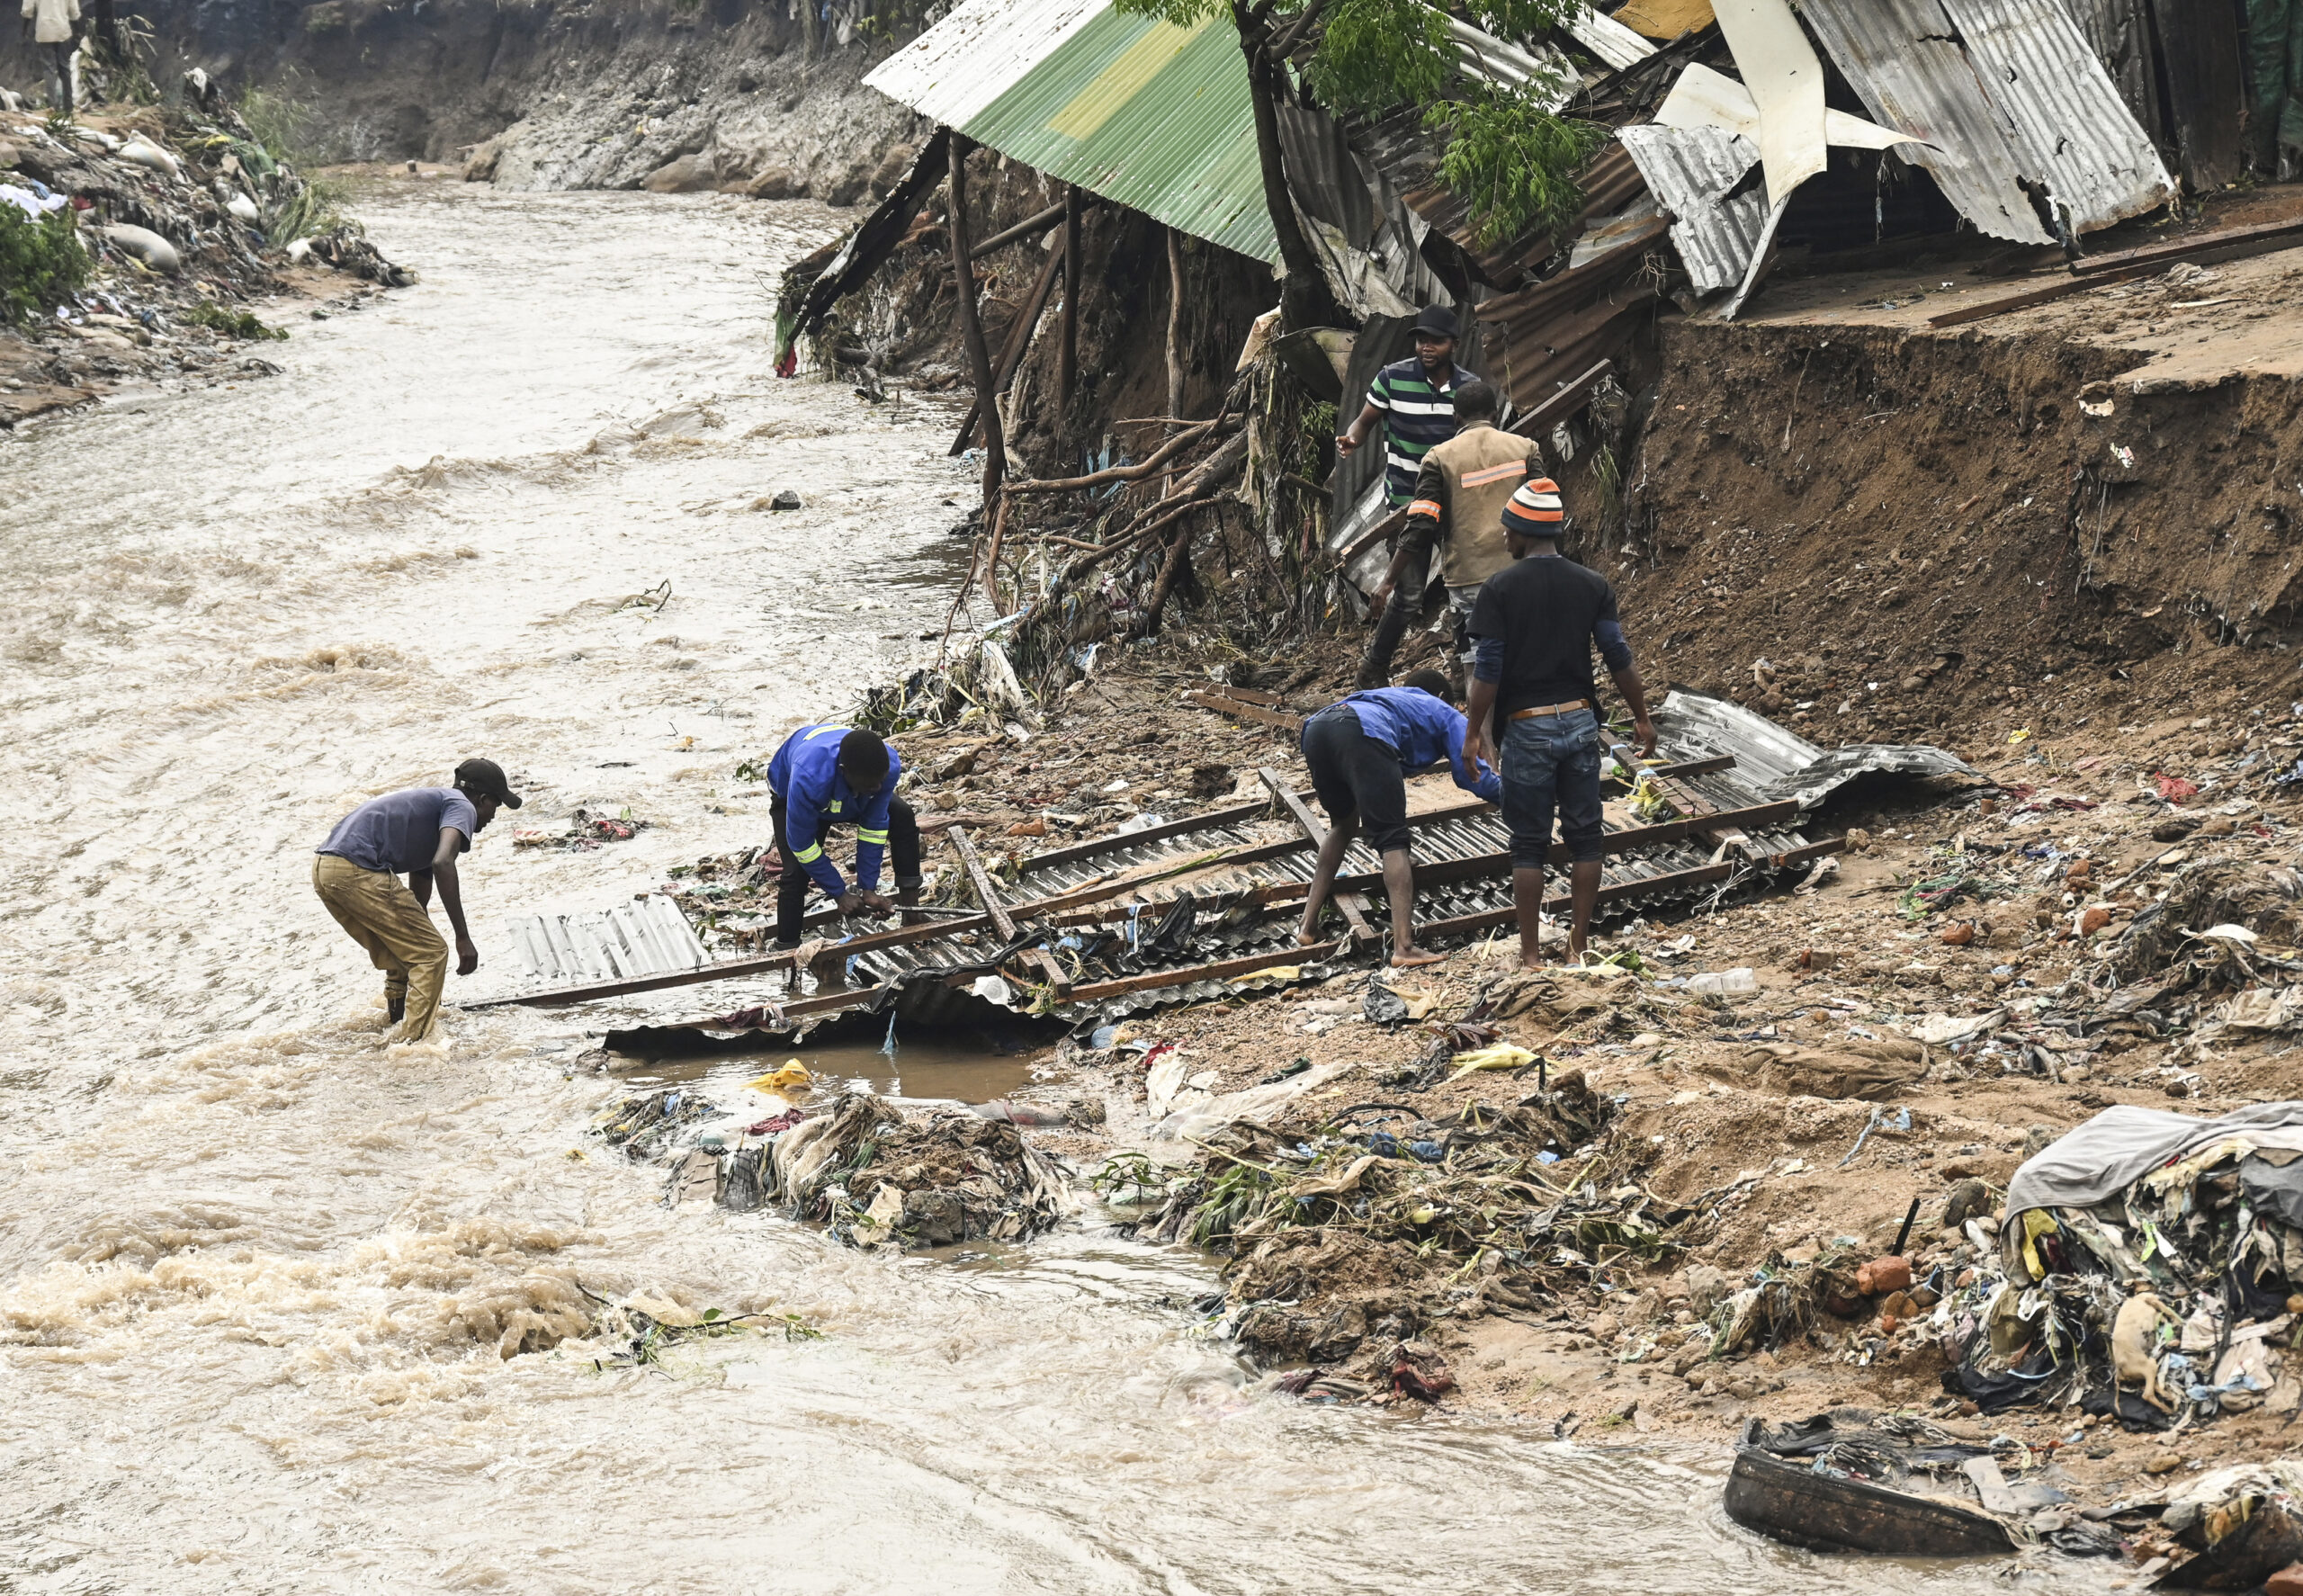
pixel 1536 711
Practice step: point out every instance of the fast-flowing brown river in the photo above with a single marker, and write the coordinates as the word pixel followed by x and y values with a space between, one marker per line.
pixel 253 1269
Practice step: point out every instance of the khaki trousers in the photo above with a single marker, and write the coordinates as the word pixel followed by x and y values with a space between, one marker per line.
pixel 383 916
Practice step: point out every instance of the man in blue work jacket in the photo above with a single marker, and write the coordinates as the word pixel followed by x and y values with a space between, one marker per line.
pixel 825 776
pixel 1359 752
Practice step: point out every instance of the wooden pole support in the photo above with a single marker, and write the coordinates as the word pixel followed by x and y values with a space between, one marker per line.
pixel 1354 906
pixel 980 879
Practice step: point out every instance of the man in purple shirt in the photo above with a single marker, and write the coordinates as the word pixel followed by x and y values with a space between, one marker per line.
pixel 416 833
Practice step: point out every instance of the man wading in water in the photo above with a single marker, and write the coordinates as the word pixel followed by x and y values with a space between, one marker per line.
pixel 416 833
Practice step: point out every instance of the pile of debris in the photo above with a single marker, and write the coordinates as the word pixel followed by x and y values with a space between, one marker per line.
pixel 188 216
pixel 1371 1221
pixel 2145 1249
pixel 873 1173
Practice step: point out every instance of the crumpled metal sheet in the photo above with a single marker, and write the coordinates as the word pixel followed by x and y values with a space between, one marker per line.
pixel 2084 141
pixel 2007 93
pixel 1691 171
pixel 1778 762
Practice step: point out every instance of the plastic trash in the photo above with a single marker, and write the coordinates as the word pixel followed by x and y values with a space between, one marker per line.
pixel 146 246
pixel 1102 1036
pixel 1502 1055
pixel 144 153
pixel 241 206
pixel 789 1077
pixel 1741 979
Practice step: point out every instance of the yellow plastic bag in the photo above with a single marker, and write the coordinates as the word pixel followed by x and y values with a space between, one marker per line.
pixel 792 1075
pixel 1502 1055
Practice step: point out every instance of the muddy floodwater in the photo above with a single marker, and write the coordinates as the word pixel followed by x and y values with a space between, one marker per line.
pixel 255 1270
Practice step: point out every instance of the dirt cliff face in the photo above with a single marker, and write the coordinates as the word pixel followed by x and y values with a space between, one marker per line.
pixel 552 94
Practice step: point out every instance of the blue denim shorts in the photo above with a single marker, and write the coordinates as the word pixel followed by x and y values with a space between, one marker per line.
pixel 1551 765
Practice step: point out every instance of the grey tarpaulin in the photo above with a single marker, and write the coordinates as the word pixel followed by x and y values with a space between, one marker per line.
pixel 1782 763
pixel 2120 1146
pixel 2274 1188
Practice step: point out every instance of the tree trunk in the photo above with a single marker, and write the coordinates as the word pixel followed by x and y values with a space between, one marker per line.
pixel 1067 353
pixel 1304 298
pixel 995 447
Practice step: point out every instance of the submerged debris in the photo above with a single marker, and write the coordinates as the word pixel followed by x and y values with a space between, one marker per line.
pixel 869 1173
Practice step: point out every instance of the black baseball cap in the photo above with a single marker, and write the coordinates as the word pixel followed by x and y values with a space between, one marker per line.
pixel 1437 320
pixel 486 777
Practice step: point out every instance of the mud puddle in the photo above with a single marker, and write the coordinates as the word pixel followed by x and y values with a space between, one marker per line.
pixel 951 1070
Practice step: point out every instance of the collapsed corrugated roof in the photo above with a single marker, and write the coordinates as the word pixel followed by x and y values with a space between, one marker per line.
pixel 1185 909
pixel 1145 113
pixel 1692 173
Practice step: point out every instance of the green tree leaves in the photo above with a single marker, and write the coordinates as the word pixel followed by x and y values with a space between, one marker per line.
pixel 1512 162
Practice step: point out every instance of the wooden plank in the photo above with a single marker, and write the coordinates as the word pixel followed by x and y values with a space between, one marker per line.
pixel 1441 871
pixel 2062 288
pixel 1376 534
pixel 1058 976
pixel 2267 235
pixel 1221 969
pixel 1253 695
pixel 1354 907
pixel 1551 412
pixel 1223 703
pixel 979 878
pixel 1813 850
pixel 1214 819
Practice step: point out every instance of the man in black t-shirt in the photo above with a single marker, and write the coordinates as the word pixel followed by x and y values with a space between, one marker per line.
pixel 1532 628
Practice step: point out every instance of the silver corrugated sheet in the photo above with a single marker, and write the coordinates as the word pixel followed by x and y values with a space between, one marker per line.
pixel 1903 60
pixel 1607 39
pixel 1772 762
pixel 2095 157
pixel 1484 56
pixel 1690 171
pixel 2006 92
pixel 647 937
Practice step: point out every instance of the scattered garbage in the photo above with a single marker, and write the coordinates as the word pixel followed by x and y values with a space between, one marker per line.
pixel 586 831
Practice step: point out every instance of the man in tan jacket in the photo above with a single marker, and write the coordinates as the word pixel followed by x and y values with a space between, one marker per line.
pixel 1460 492
pixel 49 24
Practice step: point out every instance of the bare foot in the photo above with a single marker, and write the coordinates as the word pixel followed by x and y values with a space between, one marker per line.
pixel 1407 958
pixel 1306 936
pixel 1533 962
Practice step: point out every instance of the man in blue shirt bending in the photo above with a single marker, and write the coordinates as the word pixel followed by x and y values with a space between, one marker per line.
pixel 1361 752
pixel 825 776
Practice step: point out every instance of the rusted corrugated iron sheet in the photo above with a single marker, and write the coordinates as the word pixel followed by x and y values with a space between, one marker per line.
pixel 2207 84
pixel 1691 171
